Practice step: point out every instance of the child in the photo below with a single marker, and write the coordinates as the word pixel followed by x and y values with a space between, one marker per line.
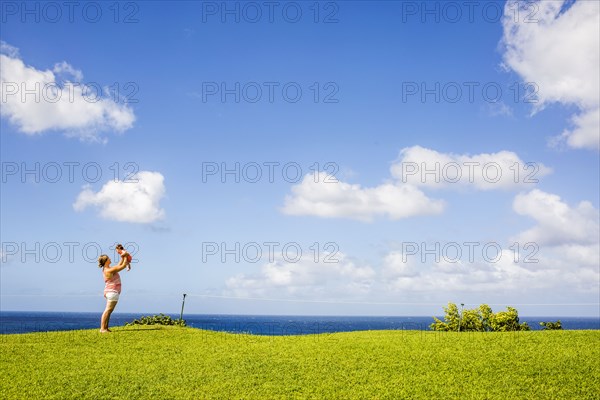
pixel 124 254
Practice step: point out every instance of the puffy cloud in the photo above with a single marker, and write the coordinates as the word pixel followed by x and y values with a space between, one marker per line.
pixel 396 265
pixel 406 272
pixel 558 49
pixel 512 271
pixel 324 197
pixel 502 170
pixel 58 102
pixel 65 69
pixel 557 223
pixel 573 256
pixel 344 200
pixel 9 50
pixel 585 131
pixel 563 268
pixel 128 201
pixel 561 252
pixel 305 278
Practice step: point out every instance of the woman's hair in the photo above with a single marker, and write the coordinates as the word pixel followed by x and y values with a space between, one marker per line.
pixel 102 260
pixel 119 247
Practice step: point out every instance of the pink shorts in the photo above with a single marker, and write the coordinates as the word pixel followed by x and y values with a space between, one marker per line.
pixel 112 295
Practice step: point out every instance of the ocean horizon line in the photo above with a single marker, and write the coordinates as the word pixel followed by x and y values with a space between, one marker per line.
pixel 282 315
pixel 40 321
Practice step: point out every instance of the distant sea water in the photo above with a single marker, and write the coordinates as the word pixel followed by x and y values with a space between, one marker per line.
pixel 23 322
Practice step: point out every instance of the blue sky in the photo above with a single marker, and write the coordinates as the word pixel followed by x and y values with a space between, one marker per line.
pixel 176 51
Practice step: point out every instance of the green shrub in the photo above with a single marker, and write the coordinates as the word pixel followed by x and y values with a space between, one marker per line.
pixel 160 319
pixel 551 326
pixel 480 319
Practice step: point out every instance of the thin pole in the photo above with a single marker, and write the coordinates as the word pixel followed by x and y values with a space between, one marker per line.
pixel 182 304
pixel 461 315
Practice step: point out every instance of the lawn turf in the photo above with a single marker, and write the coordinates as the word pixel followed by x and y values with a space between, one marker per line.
pixel 164 362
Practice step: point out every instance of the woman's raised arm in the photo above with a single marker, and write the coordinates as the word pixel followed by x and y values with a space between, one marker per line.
pixel 119 267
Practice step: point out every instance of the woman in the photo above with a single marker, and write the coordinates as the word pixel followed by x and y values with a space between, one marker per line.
pixel 112 288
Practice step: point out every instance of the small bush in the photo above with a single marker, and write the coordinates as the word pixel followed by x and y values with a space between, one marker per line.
pixel 551 326
pixel 160 319
pixel 480 319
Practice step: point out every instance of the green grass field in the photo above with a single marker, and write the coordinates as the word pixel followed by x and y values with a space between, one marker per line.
pixel 185 363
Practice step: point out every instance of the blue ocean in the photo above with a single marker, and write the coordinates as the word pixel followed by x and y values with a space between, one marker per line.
pixel 23 322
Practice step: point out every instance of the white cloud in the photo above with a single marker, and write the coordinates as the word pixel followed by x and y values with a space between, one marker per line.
pixel 561 54
pixel 501 170
pixel 58 101
pixel 344 200
pixel 563 268
pixel 9 50
pixel 402 197
pixel 563 256
pixel 498 108
pixel 137 202
pixel 65 69
pixel 573 256
pixel 305 278
pixel 557 223
pixel 408 273
pixel 566 269
pixel 585 131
